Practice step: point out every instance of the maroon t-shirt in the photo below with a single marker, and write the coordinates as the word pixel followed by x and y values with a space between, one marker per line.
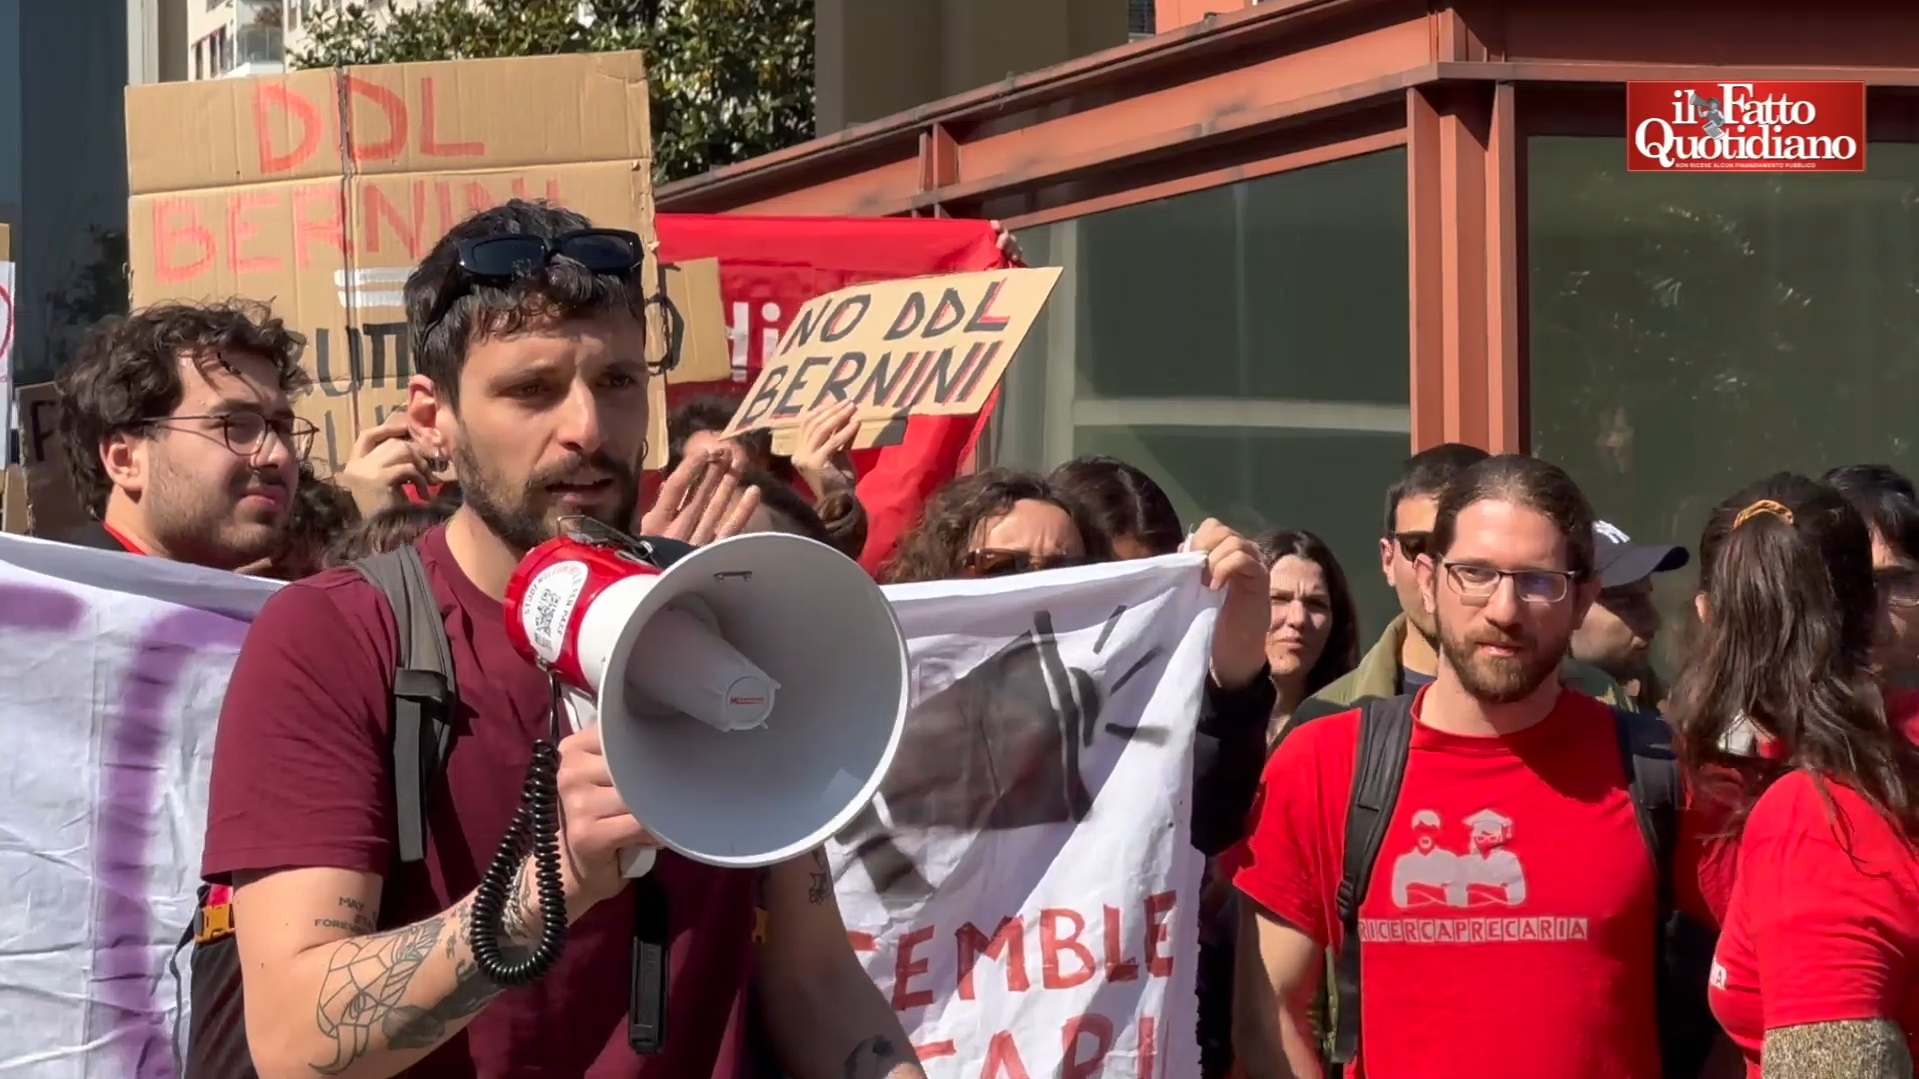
pixel 302 777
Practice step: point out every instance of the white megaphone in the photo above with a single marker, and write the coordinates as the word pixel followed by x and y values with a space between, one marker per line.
pixel 750 696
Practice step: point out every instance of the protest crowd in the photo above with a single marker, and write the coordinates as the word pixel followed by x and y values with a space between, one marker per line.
pixel 1486 839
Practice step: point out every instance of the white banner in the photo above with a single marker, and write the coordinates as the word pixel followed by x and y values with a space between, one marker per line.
pixel 6 361
pixel 1024 891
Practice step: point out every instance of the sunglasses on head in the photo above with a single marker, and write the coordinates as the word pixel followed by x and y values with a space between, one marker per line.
pixel 991 562
pixel 602 251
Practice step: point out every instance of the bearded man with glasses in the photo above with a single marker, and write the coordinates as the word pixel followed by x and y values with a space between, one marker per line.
pixel 1406 658
pixel 179 430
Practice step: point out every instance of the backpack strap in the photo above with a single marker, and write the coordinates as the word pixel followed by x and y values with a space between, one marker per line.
pixel 425 694
pixel 1652 773
pixel 1385 741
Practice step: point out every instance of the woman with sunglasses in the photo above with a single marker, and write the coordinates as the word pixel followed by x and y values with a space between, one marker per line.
pixel 997 523
pixel 1817 968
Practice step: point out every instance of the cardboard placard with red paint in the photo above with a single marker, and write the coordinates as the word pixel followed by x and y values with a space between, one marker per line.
pixel 925 346
pixel 318 191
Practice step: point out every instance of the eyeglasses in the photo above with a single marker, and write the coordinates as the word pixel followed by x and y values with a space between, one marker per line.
pixel 1476 583
pixel 603 251
pixel 1412 544
pixel 1898 587
pixel 991 562
pixel 245 432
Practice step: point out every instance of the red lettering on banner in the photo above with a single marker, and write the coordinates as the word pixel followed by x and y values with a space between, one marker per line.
pixel 1101 1030
pixel 1052 943
pixel 1158 905
pixel 394 107
pixel 1118 967
pixel 936 1050
pixel 295 109
pixel 327 228
pixel 1148 1047
pixel 177 221
pixel 187 246
pixel 430 144
pixel 1002 1059
pixel 862 941
pixel 240 230
pixel 1007 945
pixel 306 124
pixel 906 968
pixel 409 229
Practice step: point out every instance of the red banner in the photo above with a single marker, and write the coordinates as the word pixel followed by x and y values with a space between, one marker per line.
pixel 770 267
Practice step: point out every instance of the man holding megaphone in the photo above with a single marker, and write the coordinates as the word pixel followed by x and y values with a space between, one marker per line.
pixel 358 956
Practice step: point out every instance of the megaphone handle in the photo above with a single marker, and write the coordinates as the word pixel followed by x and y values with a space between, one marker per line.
pixel 637 862
pixel 652 936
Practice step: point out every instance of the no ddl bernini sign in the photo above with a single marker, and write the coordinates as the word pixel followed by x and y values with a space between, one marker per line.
pixel 1746 127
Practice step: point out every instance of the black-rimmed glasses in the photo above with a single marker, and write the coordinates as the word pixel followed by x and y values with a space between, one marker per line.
pixel 245 432
pixel 1476 583
pixel 608 251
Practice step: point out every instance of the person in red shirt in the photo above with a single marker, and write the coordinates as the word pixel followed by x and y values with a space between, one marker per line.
pixel 180 433
pixel 529 334
pixel 1508 929
pixel 1817 968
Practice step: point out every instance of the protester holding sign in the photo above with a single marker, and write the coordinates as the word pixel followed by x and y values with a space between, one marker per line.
pixel 179 429
pixel 534 383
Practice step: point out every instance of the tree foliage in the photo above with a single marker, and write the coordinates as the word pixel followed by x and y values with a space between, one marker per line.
pixel 730 79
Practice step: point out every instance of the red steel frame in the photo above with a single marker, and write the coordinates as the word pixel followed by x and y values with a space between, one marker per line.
pixel 1294 83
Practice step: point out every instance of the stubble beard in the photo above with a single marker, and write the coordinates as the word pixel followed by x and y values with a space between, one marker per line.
pixel 523 520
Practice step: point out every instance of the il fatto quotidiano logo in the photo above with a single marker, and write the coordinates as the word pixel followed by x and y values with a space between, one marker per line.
pixel 1746 127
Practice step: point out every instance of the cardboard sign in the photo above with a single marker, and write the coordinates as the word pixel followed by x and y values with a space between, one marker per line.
pixel 53 506
pixel 318 191
pixel 927 346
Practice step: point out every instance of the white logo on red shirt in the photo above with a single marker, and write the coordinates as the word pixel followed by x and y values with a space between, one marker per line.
pixel 1484 876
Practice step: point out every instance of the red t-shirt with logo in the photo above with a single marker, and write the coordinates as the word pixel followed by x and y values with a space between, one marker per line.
pixel 1823 924
pixel 302 777
pixel 1508 928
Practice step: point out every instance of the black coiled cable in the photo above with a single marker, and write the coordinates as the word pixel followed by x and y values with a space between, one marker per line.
pixel 535 825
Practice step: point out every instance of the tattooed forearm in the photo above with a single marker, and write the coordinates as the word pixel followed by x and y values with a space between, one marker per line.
pixel 369 1002
pixel 874 1058
pixel 1859 1049
pixel 819 885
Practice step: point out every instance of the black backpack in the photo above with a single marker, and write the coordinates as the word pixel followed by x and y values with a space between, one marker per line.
pixel 1684 947
pixel 425 700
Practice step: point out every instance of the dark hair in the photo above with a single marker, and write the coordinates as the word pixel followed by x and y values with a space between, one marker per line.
pixel 779 497
pixel 127 373
pixel 1885 499
pixel 711 412
pixel 1342 640
pixel 1522 481
pixel 1123 500
pixel 322 512
pixel 447 310
pixel 388 530
pixel 1786 569
pixel 1427 473
pixel 935 547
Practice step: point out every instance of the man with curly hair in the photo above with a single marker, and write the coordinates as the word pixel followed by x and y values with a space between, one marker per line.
pixel 179 429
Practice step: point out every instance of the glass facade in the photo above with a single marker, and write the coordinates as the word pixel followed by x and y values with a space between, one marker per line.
pixel 1248 345
pixel 1692 332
